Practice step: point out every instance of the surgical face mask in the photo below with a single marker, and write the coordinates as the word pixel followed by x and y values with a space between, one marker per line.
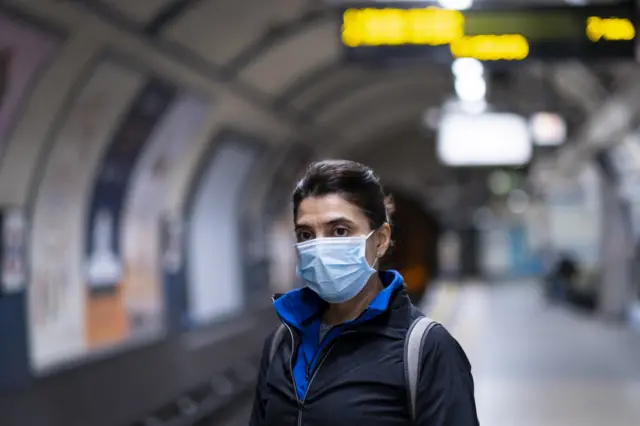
pixel 335 268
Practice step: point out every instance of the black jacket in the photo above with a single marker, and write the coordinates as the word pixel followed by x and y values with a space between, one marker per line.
pixel 361 379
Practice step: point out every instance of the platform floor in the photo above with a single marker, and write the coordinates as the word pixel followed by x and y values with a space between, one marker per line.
pixel 537 365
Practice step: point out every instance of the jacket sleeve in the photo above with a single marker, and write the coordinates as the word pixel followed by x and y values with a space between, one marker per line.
pixel 445 388
pixel 257 413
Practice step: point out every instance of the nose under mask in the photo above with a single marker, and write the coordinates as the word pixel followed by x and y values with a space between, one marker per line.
pixel 334 268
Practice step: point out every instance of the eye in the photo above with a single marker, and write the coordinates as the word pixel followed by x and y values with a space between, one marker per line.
pixel 340 232
pixel 304 236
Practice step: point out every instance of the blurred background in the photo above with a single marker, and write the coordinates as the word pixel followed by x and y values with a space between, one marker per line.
pixel 148 150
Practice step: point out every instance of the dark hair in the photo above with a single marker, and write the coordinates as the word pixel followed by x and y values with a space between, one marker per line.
pixel 355 182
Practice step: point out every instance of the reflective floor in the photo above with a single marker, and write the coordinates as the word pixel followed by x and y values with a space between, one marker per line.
pixel 538 365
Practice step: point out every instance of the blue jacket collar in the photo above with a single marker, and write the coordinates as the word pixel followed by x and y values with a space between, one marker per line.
pixel 298 307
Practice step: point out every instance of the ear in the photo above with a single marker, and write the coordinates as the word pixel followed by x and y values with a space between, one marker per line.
pixel 383 239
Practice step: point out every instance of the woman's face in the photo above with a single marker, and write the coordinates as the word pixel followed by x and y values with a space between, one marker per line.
pixel 331 216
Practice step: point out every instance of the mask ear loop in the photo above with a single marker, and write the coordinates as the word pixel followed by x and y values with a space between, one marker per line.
pixel 375 262
pixel 378 254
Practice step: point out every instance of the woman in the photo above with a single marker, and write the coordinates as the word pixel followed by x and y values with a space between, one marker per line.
pixel 341 360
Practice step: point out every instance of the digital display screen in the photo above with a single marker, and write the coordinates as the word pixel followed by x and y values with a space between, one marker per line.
pixel 382 32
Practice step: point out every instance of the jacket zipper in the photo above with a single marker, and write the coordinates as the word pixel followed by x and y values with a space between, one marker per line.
pixel 324 357
pixel 293 378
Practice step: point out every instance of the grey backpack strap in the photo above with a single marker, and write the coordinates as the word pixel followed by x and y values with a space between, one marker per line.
pixel 275 342
pixel 412 355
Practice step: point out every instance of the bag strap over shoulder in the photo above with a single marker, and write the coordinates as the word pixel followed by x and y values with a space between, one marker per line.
pixel 275 342
pixel 412 355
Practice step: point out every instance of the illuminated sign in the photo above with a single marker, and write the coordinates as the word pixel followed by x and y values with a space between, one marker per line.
pixel 376 27
pixel 491 47
pixel 553 32
pixel 610 29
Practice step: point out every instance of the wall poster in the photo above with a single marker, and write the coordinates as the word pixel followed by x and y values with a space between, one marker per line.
pixel 57 291
pixel 144 205
pixel 97 280
pixel 107 309
pixel 25 51
pixel 56 294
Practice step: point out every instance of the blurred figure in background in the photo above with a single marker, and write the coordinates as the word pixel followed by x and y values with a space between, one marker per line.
pixel 562 277
pixel 339 357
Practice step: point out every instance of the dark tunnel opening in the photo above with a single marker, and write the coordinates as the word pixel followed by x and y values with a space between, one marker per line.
pixel 415 251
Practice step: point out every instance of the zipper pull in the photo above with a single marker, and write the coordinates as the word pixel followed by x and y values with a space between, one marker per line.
pixel 307 371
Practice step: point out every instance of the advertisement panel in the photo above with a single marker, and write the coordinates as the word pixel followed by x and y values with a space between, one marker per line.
pixel 96 248
pixel 24 52
pixel 107 318
pixel 144 207
pixel 56 296
pixel 214 265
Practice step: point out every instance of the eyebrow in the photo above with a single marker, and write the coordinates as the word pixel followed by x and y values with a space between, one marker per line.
pixel 340 220
pixel 335 221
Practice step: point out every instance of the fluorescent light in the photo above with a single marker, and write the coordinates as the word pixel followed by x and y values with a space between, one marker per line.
pixel 489 139
pixel 477 107
pixel 456 4
pixel 467 67
pixel 471 89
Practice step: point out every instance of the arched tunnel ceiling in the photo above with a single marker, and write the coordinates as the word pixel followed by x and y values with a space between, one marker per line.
pixel 288 50
pixel 283 57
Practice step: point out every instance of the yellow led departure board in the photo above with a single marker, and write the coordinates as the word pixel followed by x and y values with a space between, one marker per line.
pixel 376 27
pixel 492 35
pixel 611 29
pixel 491 47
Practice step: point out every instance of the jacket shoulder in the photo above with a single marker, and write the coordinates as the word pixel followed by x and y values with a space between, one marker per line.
pixel 441 348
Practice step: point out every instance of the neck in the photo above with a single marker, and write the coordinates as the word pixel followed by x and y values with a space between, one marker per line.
pixel 338 313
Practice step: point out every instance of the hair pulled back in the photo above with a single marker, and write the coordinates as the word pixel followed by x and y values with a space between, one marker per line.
pixel 354 182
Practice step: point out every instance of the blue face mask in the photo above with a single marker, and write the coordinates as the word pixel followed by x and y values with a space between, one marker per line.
pixel 335 268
